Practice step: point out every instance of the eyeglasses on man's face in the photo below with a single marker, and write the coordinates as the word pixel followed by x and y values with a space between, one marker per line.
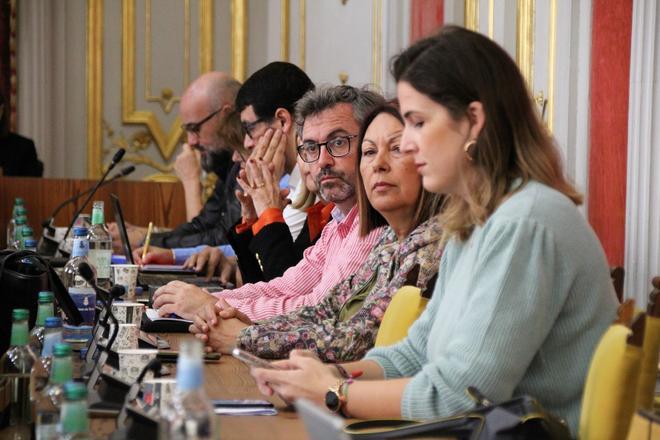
pixel 195 127
pixel 250 128
pixel 338 146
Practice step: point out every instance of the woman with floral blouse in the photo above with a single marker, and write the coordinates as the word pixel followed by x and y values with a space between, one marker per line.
pixel 344 325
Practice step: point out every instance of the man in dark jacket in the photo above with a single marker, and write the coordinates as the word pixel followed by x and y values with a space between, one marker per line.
pixel 207 112
pixel 18 156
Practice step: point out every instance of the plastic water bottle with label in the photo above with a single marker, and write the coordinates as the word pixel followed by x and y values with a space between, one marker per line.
pixel 100 246
pixel 82 294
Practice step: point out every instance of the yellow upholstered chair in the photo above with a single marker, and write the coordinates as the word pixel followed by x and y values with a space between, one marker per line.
pixel 608 402
pixel 405 307
pixel 644 426
pixel 649 372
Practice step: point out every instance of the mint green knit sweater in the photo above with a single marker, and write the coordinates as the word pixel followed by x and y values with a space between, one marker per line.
pixel 518 309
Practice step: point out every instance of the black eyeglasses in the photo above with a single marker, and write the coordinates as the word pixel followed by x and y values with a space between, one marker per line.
pixel 195 127
pixel 338 146
pixel 249 127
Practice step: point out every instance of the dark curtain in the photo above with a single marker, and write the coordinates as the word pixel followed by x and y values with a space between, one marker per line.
pixel 5 67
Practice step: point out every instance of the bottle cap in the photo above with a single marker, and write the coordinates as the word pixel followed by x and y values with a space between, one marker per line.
pixel 53 322
pixel 30 243
pixel 21 220
pixel 19 201
pixel 45 296
pixel 75 391
pixel 27 231
pixel 20 314
pixel 21 210
pixel 79 232
pixel 61 350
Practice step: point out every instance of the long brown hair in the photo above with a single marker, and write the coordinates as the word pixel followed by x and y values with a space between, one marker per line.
pixel 457 67
pixel 428 203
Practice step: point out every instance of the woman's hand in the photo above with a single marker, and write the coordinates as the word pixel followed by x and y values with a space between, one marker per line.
pixel 218 325
pixel 262 186
pixel 302 375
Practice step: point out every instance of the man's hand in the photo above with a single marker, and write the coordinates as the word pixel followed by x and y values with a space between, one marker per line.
pixel 187 165
pixel 155 255
pixel 136 235
pixel 271 148
pixel 212 261
pixel 182 299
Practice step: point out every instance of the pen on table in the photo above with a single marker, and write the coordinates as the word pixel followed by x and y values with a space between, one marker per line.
pixel 145 249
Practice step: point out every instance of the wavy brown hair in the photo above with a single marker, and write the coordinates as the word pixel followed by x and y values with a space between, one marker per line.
pixel 457 67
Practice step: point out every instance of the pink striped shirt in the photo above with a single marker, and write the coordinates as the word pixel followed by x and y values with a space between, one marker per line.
pixel 336 255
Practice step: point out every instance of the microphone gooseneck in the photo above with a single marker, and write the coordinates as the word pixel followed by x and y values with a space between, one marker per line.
pixel 115 159
pixel 48 222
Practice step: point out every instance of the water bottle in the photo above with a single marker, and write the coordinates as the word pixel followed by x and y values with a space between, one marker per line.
pixel 44 310
pixel 11 225
pixel 53 334
pixel 26 234
pixel 73 415
pixel 79 290
pixel 100 246
pixel 30 244
pixel 21 221
pixel 191 415
pixel 16 367
pixel 50 401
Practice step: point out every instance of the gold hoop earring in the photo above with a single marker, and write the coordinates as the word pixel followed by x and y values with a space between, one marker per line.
pixel 466 149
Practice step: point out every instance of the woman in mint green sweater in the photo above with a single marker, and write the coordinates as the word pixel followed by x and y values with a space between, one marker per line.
pixel 523 292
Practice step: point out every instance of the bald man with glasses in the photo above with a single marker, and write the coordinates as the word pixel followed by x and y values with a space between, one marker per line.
pixel 213 132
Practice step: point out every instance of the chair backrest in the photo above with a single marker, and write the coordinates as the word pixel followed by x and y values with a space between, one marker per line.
pixel 608 402
pixel 649 371
pixel 617 274
pixel 405 307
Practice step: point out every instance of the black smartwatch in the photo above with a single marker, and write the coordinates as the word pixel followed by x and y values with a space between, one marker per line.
pixel 333 398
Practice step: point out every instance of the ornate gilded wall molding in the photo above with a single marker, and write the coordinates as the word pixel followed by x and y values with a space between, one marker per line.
pixel 284 30
pixel 377 42
pixel 302 31
pixel 551 65
pixel 165 142
pixel 239 38
pixel 472 14
pixel 525 40
pixel 94 87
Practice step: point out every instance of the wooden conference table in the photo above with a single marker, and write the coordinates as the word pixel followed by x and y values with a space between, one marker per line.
pixel 230 379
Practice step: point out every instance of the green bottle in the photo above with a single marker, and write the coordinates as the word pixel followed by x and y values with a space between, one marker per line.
pixel 16 367
pixel 11 225
pixel 45 310
pixel 27 233
pixel 50 402
pixel 21 221
pixel 73 416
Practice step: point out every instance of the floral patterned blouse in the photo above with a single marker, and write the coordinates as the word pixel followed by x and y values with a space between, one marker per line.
pixel 319 328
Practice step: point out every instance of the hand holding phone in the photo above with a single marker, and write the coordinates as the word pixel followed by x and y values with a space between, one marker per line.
pixel 252 360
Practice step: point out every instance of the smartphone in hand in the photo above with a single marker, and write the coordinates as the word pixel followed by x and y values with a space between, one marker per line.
pixel 251 360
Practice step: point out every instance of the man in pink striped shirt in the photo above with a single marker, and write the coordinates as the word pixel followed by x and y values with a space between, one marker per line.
pixel 328 122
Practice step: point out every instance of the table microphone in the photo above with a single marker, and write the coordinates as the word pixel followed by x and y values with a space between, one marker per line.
pixel 115 160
